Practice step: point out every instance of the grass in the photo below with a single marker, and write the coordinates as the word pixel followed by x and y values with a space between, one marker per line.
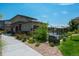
pixel 1 43
pixel 70 47
pixel 75 38
pixel 0 47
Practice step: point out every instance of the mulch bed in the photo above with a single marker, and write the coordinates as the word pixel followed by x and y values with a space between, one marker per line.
pixel 46 50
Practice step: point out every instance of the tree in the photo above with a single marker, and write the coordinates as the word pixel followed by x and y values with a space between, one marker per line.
pixel 73 25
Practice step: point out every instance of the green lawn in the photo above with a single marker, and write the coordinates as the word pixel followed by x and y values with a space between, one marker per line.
pixel 70 47
pixel 0 47
pixel 0 43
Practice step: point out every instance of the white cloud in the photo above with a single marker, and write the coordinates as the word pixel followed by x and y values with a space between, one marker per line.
pixel 42 16
pixel 61 12
pixel 64 12
pixel 45 16
pixel 55 14
pixel 66 3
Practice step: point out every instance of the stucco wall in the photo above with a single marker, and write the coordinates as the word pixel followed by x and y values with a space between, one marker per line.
pixel 26 27
pixel 1 25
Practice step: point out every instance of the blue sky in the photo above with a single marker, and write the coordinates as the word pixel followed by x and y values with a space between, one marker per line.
pixel 55 14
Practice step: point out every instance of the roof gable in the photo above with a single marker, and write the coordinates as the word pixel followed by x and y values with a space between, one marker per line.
pixel 22 18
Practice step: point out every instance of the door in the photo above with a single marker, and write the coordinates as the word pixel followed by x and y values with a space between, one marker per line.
pixel 16 28
pixel 19 27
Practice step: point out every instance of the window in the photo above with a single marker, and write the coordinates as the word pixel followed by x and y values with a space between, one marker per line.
pixel 35 26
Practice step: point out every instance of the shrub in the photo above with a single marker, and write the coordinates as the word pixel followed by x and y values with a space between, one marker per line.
pixel 31 40
pixel 2 31
pixel 76 31
pixel 51 44
pixel 70 33
pixel 18 36
pixel 24 37
pixel 37 44
pixel 40 34
pixel 21 37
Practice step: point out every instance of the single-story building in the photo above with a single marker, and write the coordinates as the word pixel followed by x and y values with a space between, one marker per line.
pixel 58 31
pixel 55 33
pixel 19 23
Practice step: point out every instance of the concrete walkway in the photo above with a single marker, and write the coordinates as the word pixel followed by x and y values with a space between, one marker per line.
pixel 13 47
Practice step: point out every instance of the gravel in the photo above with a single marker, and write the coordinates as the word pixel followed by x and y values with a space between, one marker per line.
pixel 46 50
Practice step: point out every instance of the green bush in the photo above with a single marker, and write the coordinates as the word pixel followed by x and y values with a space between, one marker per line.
pixel 51 44
pixel 2 31
pixel 18 36
pixel 24 39
pixel 70 33
pixel 37 44
pixel 31 40
pixel 76 31
pixel 21 37
pixel 40 34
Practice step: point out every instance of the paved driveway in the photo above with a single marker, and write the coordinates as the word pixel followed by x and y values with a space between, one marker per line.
pixel 13 47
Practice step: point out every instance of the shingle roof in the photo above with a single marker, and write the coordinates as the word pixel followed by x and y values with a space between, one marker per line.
pixel 30 19
pixel 25 17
